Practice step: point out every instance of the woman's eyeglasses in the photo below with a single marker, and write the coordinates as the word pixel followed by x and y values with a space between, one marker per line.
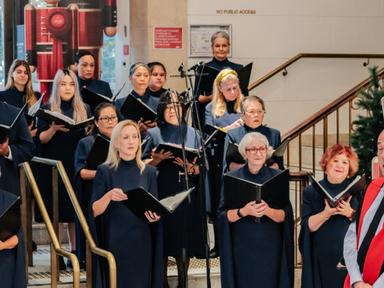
pixel 261 150
pixel 107 119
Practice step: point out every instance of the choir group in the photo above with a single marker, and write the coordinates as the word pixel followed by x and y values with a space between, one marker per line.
pixel 253 229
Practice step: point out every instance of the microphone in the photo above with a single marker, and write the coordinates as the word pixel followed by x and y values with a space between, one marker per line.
pixel 181 70
pixel 194 67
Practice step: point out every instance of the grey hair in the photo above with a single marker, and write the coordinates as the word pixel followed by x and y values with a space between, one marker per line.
pixel 219 34
pixel 251 137
pixel 251 99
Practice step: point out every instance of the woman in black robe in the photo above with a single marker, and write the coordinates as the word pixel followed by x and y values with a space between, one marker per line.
pixel 222 112
pixel 256 254
pixel 131 239
pixel 16 148
pixel 139 76
pixel 322 227
pixel 12 252
pixel 183 228
pixel 59 143
pixel 105 120
pixel 220 44
pixel 18 90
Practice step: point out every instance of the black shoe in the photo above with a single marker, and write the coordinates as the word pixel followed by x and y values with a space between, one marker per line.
pixel 34 246
pixel 62 265
pixel 214 253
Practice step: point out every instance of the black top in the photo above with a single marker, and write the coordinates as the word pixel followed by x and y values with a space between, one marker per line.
pixel 15 97
pixel 157 93
pixel 97 86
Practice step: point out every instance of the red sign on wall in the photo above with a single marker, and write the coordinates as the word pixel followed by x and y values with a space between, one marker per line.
pixel 168 37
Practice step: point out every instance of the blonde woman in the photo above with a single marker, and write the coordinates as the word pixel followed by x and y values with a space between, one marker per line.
pixel 59 143
pixel 119 230
pixel 223 112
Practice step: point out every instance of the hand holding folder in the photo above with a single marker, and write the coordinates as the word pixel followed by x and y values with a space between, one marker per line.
pixel 139 201
pixel 5 128
pixel 355 187
pixel 10 220
pixel 60 119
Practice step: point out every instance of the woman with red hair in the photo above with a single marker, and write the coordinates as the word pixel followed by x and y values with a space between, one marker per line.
pixel 323 227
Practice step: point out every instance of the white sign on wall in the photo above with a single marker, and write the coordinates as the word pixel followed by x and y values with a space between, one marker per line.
pixel 200 39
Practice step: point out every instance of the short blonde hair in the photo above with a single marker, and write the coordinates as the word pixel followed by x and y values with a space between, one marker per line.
pixel 251 137
pixel 113 158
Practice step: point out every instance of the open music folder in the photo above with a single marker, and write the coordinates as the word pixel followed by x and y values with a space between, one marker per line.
pixel 59 118
pixel 98 153
pixel 135 109
pixel 10 220
pixel 5 129
pixel 356 186
pixel 139 201
pixel 274 191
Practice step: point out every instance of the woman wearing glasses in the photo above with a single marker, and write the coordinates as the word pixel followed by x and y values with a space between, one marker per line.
pixel 323 227
pixel 250 252
pixel 252 113
pixel 183 228
pixel 105 120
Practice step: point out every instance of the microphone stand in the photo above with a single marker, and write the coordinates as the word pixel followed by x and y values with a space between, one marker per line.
pixel 203 163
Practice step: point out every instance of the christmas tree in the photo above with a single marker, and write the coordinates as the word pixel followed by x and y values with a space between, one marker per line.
pixel 367 128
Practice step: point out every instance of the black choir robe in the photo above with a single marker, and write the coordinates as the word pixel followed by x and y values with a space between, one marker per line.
pixel 323 249
pixel 12 268
pixel 61 147
pixel 273 136
pixel 15 97
pixel 157 93
pixel 256 254
pixel 83 189
pixel 215 152
pixel 187 215
pixel 97 86
pixel 135 243
pixel 21 145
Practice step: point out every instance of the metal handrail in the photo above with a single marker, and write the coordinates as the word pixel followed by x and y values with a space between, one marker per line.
pixel 292 60
pixel 83 223
pixel 55 244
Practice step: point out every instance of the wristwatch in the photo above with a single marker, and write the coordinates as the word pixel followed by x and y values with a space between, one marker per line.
pixel 238 213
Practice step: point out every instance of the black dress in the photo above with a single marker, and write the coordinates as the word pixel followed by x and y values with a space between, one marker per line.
pixel 323 249
pixel 20 145
pixel 256 254
pixel 12 269
pixel 61 147
pixel 134 242
pixel 83 189
pixel 188 218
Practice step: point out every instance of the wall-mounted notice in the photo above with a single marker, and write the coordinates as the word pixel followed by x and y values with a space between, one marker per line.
pixel 200 39
pixel 168 37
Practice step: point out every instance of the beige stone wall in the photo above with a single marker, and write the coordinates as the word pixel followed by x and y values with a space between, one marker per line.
pixel 144 16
